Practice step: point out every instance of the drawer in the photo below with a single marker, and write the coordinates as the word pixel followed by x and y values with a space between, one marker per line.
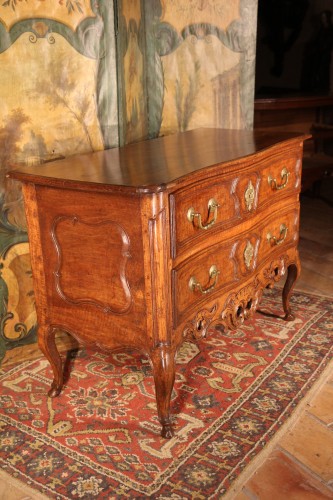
pixel 278 178
pixel 223 265
pixel 227 200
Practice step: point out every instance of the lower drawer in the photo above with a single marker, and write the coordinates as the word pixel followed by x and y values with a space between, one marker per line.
pixel 221 266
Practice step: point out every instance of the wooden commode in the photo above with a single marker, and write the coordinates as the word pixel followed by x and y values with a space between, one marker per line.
pixel 148 245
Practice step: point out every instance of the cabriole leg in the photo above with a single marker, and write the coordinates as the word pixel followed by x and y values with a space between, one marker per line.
pixel 163 360
pixel 46 342
pixel 293 273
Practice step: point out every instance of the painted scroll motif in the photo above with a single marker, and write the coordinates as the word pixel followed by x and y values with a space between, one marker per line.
pixel 57 99
pixel 70 12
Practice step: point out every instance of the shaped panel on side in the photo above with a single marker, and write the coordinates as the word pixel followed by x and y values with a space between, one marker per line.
pixel 98 277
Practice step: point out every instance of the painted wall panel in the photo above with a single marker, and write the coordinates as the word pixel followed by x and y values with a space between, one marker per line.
pixel 58 97
pixel 79 76
pixel 198 65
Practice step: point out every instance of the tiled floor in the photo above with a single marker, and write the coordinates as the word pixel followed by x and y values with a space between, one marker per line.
pixel 300 465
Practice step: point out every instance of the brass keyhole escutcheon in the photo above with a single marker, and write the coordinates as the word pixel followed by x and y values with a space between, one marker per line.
pixel 249 196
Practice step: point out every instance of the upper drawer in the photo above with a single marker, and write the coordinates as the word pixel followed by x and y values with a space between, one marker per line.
pixel 228 199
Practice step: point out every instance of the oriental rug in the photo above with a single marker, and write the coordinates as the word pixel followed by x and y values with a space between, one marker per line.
pixel 101 439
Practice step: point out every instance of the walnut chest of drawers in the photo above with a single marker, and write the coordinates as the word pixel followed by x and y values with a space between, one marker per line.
pixel 148 245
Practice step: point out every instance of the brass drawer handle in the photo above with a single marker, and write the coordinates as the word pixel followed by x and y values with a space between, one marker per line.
pixel 212 209
pixel 284 177
pixel 277 241
pixel 195 285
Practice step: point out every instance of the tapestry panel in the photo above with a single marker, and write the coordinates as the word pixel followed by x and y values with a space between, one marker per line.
pixel 191 65
pixel 58 97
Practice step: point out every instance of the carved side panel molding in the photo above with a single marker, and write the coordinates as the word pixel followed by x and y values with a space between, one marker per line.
pixel 76 269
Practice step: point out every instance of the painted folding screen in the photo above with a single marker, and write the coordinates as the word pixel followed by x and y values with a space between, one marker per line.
pixel 74 78
pixel 58 97
pixel 185 65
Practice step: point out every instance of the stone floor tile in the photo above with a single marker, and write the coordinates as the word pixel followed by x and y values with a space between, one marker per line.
pixel 9 491
pixel 280 478
pixel 310 280
pixel 311 443
pixel 243 496
pixel 322 266
pixel 321 405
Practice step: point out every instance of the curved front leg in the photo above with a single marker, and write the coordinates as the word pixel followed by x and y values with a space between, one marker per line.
pixel 293 273
pixel 163 361
pixel 46 342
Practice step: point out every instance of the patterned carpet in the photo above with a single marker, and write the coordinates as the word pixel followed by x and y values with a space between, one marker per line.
pixel 101 439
